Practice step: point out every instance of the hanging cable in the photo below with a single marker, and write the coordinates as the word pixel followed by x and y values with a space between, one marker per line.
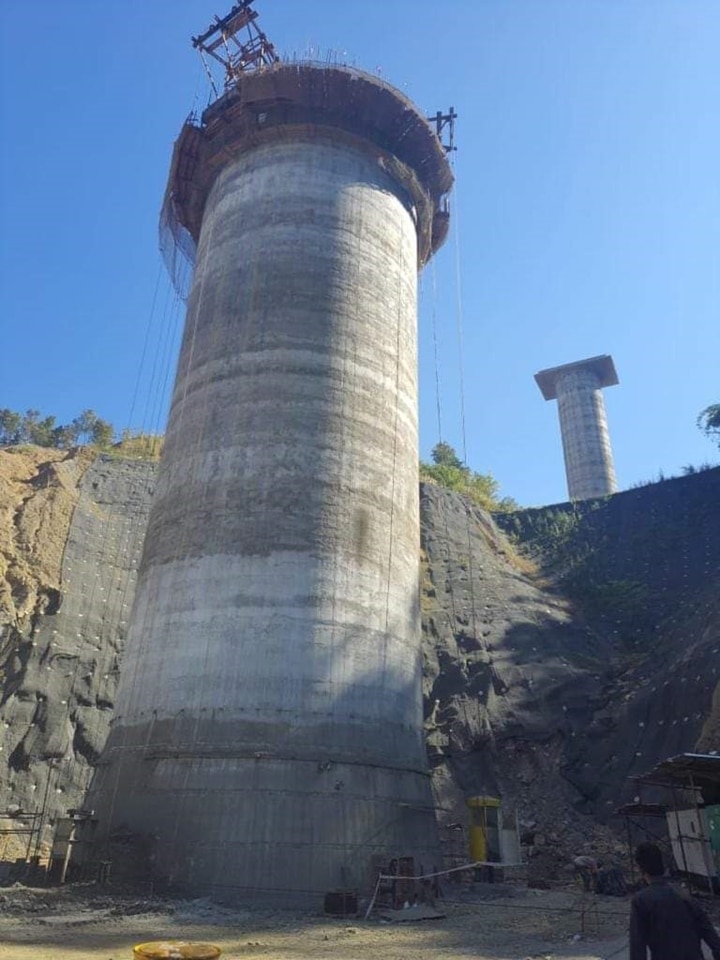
pixel 141 645
pixel 127 540
pixel 112 537
pixel 438 399
pixel 153 387
pixel 460 324
pixel 146 339
pixel 433 274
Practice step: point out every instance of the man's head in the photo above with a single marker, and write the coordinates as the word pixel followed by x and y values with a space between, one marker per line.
pixel 650 859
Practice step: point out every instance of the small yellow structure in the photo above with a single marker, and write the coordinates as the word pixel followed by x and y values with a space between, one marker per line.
pixel 485 827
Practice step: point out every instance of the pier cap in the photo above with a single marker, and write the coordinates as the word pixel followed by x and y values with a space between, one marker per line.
pixel 307 99
pixel 602 366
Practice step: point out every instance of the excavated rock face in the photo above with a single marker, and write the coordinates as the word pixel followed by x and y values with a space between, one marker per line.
pixel 551 680
pixel 38 493
pixel 643 569
pixel 564 653
pixel 511 676
pixel 497 644
pixel 71 529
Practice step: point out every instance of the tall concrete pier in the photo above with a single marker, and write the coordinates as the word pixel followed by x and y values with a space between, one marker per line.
pixel 583 423
pixel 268 728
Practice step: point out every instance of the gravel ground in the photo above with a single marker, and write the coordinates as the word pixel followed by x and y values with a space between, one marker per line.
pixel 80 924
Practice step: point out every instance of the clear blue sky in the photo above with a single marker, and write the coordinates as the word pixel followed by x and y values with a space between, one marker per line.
pixel 587 208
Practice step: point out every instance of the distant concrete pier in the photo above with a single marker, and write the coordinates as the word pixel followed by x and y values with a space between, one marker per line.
pixel 577 387
pixel 268 732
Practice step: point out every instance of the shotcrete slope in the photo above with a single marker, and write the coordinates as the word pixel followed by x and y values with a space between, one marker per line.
pixel 570 656
pixel 71 529
pixel 642 568
pixel 510 678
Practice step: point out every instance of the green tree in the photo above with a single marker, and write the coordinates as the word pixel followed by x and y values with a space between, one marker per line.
pixel 89 428
pixel 444 455
pixel 709 422
pixel 31 427
pixel 63 437
pixel 40 432
pixel 10 427
pixel 103 433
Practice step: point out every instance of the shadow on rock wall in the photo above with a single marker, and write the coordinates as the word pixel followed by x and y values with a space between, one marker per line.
pixel 574 652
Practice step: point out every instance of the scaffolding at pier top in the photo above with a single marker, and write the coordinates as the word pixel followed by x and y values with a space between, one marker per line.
pixel 266 98
pixel 225 43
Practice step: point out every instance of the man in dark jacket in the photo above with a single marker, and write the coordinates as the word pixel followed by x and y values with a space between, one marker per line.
pixel 664 922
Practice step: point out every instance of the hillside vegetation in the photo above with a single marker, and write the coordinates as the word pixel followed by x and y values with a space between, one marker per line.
pixel 33 429
pixel 447 470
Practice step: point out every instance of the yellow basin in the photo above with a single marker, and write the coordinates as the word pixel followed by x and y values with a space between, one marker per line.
pixel 176 950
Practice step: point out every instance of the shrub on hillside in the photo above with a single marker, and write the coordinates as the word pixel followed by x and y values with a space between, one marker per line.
pixel 448 471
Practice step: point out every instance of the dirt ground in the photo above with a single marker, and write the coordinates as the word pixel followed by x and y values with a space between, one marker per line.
pixel 505 923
